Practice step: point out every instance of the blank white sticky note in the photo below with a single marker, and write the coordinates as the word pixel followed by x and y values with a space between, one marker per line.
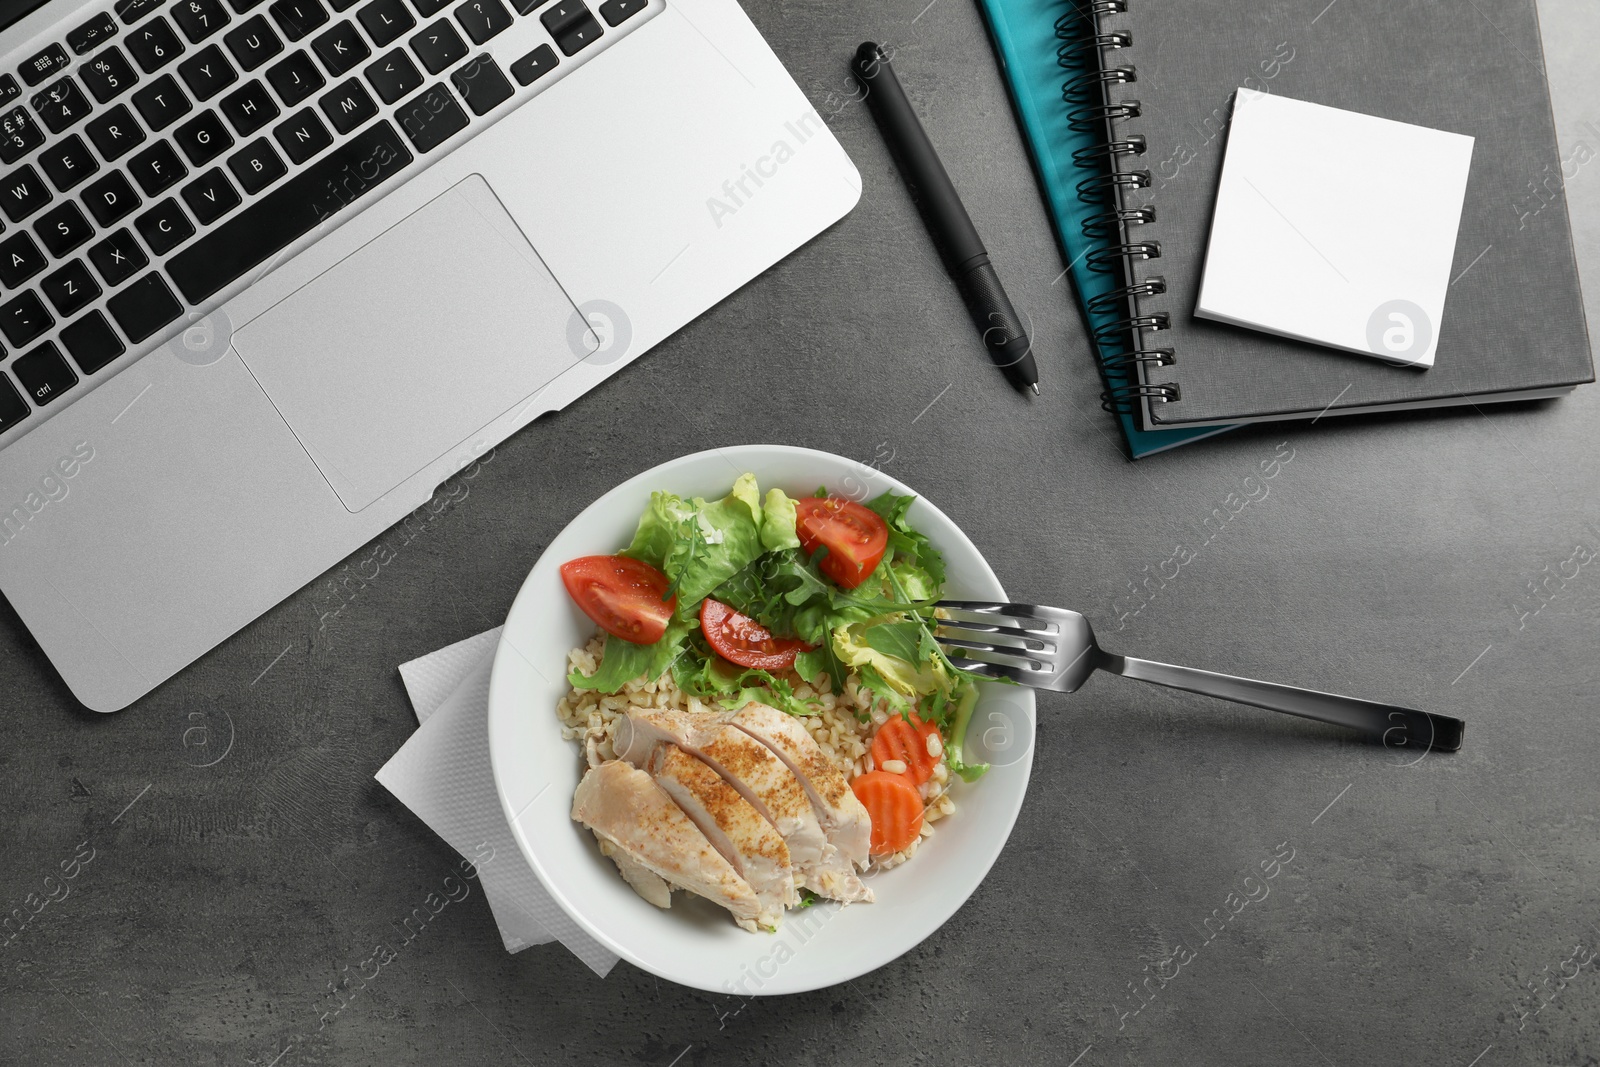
pixel 1335 227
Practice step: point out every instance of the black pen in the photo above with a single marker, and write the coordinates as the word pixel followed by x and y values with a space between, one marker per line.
pixel 957 239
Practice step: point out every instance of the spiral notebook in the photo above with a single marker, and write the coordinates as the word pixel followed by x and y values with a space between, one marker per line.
pixel 1161 78
pixel 1065 150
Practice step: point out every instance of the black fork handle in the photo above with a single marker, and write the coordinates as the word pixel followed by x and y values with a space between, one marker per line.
pixel 1394 726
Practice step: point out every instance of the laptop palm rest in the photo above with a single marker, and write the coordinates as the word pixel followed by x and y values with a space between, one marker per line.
pixel 392 358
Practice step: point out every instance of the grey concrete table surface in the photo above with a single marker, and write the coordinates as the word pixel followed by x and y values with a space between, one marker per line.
pixel 244 860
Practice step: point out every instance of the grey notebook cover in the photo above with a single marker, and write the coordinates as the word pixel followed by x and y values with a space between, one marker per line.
pixel 1513 318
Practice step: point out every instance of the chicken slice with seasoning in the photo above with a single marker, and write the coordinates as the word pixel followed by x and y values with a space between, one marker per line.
pixel 625 807
pixel 843 818
pixel 735 829
pixel 760 777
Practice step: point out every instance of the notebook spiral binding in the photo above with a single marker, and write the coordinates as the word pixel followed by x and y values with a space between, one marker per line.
pixel 1121 346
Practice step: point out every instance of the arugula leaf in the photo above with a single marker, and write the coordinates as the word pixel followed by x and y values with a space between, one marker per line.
pixel 897 639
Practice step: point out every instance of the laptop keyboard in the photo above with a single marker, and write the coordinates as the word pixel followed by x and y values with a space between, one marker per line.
pixel 162 151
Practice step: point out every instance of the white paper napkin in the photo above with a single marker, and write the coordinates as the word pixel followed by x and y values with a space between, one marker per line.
pixel 442 774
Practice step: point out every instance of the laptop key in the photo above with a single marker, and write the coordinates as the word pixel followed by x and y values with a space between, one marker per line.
pixel 211 196
pixel 164 227
pixel 303 135
pixel 203 138
pixel 154 45
pixel 482 85
pixel 20 259
pixel 561 15
pixel 429 8
pixel 250 108
pixel 298 17
pixel 282 215
pixel 296 78
pixel 114 132
pixel 386 20
pixel 22 192
pixel 44 64
pixel 43 373
pixel 92 342
pixel 256 166
pixel 341 48
pixel 108 74
pixel 13 409
pixel 63 228
pixel 70 289
pixel 207 72
pixel 68 162
pixel 393 76
pixel 242 6
pixel 19 135
pixel 156 168
pixel 616 12
pixel 254 42
pixel 9 89
pixel 578 36
pixel 110 198
pixel 439 46
pixel 60 104
pixel 432 118
pixel 117 258
pixel 199 19
pixel 348 106
pixel 144 307
pixel 24 318
pixel 162 103
pixel 534 65
pixel 100 28
pixel 483 19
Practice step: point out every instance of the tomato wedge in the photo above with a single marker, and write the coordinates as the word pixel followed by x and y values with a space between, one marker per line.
pixel 740 639
pixel 855 537
pixel 624 597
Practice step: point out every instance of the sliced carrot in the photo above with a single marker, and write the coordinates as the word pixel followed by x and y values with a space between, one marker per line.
pixel 906 741
pixel 895 807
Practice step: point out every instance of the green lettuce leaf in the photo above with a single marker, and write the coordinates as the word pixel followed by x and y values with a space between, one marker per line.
pixel 732 687
pixel 697 544
pixel 623 661
pixel 778 522
pixel 888 649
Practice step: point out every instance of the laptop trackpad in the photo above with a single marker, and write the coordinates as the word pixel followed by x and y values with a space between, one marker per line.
pixel 399 353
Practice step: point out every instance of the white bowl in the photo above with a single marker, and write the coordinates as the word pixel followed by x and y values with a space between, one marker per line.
pixel 695 943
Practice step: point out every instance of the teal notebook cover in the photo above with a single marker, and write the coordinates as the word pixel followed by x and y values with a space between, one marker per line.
pixel 1024 33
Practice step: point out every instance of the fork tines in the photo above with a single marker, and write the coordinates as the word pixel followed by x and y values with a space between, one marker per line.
pixel 998 640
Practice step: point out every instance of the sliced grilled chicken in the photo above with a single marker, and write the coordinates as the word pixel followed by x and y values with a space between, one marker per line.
pixel 743 836
pixel 760 777
pixel 624 806
pixel 843 818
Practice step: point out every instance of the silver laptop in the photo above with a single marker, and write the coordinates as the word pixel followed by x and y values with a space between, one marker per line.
pixel 272 270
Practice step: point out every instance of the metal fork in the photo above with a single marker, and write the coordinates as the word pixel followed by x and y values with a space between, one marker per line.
pixel 1054 649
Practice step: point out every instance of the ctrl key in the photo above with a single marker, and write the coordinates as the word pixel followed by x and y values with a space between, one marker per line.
pixel 43 373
